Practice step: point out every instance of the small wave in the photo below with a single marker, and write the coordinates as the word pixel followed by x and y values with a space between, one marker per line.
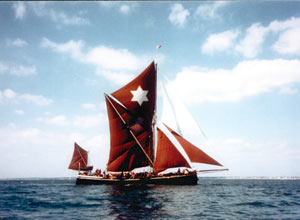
pixel 256 204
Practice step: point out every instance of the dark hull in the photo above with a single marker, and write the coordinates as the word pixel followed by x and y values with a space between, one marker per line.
pixel 190 179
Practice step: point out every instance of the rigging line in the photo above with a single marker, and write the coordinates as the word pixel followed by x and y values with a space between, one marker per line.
pixel 81 155
pixel 132 134
pixel 172 107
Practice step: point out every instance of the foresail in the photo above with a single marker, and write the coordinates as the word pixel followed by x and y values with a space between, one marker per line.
pixel 194 153
pixel 177 116
pixel 79 158
pixel 167 154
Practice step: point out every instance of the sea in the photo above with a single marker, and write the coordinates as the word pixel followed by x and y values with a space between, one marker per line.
pixel 211 198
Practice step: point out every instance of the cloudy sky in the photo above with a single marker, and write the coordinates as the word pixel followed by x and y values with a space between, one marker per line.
pixel 235 65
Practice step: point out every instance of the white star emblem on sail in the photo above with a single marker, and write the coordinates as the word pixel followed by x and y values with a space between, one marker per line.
pixel 139 95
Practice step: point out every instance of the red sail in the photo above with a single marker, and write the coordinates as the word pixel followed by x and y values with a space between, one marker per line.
pixel 194 153
pixel 167 154
pixel 79 159
pixel 139 99
pixel 139 96
pixel 125 153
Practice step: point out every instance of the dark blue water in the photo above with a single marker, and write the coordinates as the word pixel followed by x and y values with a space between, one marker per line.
pixel 210 199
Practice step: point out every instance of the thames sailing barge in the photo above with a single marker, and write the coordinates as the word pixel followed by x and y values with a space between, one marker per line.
pixel 138 141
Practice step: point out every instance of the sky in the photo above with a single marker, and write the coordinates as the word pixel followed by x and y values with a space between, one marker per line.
pixel 235 66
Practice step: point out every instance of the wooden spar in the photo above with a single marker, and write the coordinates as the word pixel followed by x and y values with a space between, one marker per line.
pixel 81 156
pixel 154 120
pixel 214 170
pixel 132 134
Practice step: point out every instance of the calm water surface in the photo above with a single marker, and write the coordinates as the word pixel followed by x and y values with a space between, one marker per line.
pixel 212 198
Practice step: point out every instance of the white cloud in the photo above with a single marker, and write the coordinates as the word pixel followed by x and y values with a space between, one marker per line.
pixel 99 150
pixel 118 77
pixel 250 46
pixel 125 9
pixel 36 99
pixel 92 106
pixel 72 47
pixel 209 11
pixel 22 70
pixel 10 95
pixel 247 78
pixel 20 9
pixel 112 59
pixel 3 68
pixel 178 15
pixel 17 42
pixel 219 42
pixel 44 153
pixel 40 153
pixel 288 42
pixel 115 65
pixel 88 121
pixel 60 120
pixel 19 70
pixel 107 4
pixel 89 106
pixel 43 9
pixel 19 112
pixel 267 158
pixel 288 91
pixel 104 57
pixel 279 26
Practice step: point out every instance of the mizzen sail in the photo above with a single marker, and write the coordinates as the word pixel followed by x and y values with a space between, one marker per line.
pixel 80 159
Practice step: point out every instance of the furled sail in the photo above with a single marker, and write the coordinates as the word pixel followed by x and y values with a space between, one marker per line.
pixel 167 154
pixel 194 153
pixel 80 159
pixel 130 122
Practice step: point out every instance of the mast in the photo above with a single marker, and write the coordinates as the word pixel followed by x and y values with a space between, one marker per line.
pixel 154 123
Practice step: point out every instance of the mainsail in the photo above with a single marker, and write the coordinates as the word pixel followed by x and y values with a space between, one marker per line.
pixel 125 153
pixel 80 159
pixel 130 122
